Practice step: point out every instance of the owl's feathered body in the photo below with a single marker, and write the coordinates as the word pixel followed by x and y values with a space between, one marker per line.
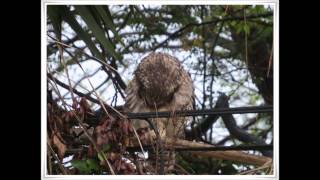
pixel 160 84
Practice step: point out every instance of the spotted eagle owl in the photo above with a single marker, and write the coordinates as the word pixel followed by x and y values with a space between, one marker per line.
pixel 160 84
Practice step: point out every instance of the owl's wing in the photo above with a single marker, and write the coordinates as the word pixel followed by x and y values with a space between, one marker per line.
pixel 135 104
pixel 183 98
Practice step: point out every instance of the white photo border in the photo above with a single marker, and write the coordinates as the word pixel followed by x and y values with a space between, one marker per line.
pixel 44 3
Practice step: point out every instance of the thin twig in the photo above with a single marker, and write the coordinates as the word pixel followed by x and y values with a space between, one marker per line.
pixel 270 61
pixel 49 162
pixel 57 159
pixel 140 144
pixel 266 165
pixel 87 76
pixel 182 169
pixel 88 97
pixel 99 86
pixel 66 70
pixel 246 36
pixel 155 128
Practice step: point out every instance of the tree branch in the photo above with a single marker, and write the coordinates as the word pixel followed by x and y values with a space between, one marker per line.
pixel 223 155
pixel 180 31
pixel 236 131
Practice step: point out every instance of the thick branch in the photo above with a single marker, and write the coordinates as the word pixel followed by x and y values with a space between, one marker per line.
pixel 223 155
pixel 245 127
pixel 236 131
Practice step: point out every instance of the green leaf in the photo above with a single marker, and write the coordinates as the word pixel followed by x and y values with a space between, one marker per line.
pixel 71 61
pixel 86 166
pixel 102 156
pixel 71 20
pixel 106 18
pixel 239 27
pixel 106 148
pixel 81 165
pixel 108 21
pixel 246 29
pixel 93 165
pixel 97 31
pixel 233 23
pixel 54 15
pixel 259 9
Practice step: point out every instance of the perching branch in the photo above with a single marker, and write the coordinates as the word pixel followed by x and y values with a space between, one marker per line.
pixel 219 154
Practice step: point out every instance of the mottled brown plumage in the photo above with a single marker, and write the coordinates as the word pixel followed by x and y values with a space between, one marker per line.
pixel 160 84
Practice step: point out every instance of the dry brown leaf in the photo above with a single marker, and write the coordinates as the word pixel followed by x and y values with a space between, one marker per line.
pixel 84 106
pixel 62 148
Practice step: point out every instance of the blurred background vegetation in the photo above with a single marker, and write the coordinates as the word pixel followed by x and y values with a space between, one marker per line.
pixel 226 49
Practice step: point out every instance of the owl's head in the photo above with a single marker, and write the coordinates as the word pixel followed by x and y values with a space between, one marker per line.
pixel 159 76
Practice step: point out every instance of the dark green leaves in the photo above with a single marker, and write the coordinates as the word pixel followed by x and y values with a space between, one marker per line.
pixel 92 16
pixel 106 148
pixel 54 14
pixel 97 30
pixel 86 166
